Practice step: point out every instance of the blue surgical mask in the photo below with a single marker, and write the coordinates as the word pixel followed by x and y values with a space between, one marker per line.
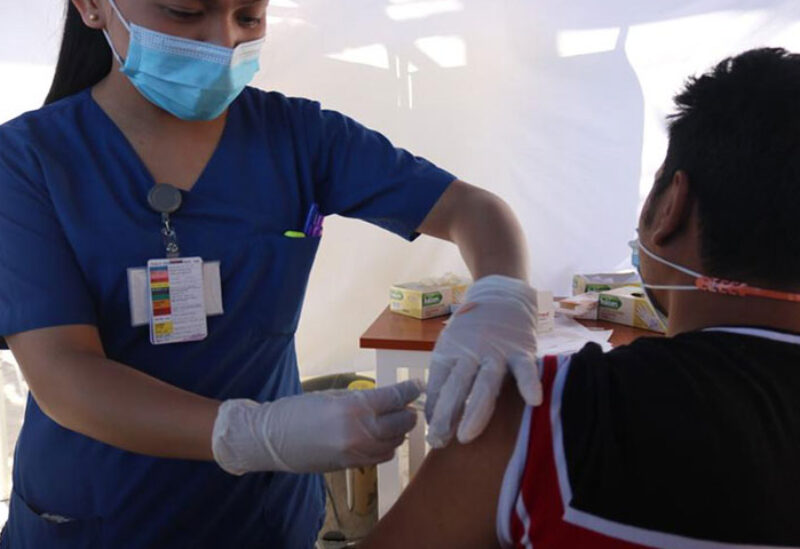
pixel 190 79
pixel 636 246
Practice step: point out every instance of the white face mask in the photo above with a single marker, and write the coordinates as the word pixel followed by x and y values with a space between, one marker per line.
pixel 701 282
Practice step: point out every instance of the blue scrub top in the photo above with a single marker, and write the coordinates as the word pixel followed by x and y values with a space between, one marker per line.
pixel 74 216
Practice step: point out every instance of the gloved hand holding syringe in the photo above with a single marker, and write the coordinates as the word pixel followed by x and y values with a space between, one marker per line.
pixel 314 432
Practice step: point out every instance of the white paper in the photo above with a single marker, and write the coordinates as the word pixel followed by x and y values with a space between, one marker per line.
pixel 569 336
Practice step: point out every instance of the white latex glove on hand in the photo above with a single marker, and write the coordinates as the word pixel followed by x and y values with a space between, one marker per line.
pixel 493 331
pixel 314 432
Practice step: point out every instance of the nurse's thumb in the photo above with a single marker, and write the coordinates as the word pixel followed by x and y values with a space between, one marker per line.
pixel 392 397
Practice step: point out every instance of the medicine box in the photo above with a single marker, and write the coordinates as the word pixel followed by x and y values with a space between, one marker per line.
pixel 430 297
pixel 581 306
pixel 601 282
pixel 629 306
pixel 546 311
pixel 420 300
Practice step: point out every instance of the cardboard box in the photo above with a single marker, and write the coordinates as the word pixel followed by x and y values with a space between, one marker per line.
pixel 420 300
pixel 601 282
pixel 428 298
pixel 628 306
pixel 581 306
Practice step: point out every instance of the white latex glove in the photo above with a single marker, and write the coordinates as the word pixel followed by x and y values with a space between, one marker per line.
pixel 314 432
pixel 495 330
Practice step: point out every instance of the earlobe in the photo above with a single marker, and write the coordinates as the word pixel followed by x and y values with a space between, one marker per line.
pixel 93 21
pixel 90 13
pixel 676 205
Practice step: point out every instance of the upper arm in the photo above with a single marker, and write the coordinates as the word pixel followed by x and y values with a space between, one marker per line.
pixel 41 283
pixel 46 310
pixel 459 199
pixel 359 173
pixel 452 500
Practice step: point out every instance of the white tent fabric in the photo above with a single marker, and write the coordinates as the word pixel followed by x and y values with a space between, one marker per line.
pixel 556 106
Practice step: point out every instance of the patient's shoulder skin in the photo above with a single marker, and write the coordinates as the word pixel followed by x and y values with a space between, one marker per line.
pixel 452 500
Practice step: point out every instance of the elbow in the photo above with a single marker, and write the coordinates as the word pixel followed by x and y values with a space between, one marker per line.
pixel 61 367
pixel 486 212
pixel 56 393
pixel 55 406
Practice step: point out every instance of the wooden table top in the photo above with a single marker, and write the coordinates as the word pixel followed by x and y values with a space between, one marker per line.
pixel 392 331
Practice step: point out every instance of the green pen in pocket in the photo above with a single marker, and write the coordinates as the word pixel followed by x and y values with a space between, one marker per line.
pixel 294 234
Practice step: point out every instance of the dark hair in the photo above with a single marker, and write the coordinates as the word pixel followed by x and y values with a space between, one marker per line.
pixel 737 136
pixel 83 61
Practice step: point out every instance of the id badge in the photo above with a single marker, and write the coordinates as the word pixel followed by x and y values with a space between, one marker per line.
pixel 176 300
pixel 138 293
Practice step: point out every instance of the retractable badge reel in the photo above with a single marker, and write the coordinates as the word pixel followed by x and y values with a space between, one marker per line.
pixel 166 199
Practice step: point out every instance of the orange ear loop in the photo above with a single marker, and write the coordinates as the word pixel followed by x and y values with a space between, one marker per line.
pixel 719 286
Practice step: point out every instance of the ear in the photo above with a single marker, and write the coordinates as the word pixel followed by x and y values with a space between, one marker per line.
pixel 92 14
pixel 673 209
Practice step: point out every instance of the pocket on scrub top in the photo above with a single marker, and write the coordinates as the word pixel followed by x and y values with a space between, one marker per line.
pixel 28 529
pixel 283 281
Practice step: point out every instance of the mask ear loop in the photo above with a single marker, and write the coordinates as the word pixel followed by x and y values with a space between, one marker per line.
pixel 663 261
pixel 119 14
pixel 741 289
pixel 718 285
pixel 108 37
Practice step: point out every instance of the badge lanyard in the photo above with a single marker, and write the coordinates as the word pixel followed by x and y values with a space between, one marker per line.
pixel 166 199
pixel 175 286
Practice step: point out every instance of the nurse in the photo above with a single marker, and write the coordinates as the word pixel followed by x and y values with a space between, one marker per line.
pixel 155 185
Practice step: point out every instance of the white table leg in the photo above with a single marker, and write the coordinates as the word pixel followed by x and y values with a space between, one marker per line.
pixel 389 472
pixel 416 438
pixel 387 364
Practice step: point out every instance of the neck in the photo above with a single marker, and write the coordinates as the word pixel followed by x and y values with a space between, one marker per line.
pixel 695 310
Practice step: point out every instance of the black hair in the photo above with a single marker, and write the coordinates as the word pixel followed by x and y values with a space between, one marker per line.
pixel 84 59
pixel 736 134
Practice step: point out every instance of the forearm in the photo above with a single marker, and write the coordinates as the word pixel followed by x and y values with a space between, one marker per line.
pixel 123 407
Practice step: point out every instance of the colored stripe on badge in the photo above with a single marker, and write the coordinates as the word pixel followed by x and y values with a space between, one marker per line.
pixel 159 291
pixel 159 273
pixel 163 328
pixel 162 310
